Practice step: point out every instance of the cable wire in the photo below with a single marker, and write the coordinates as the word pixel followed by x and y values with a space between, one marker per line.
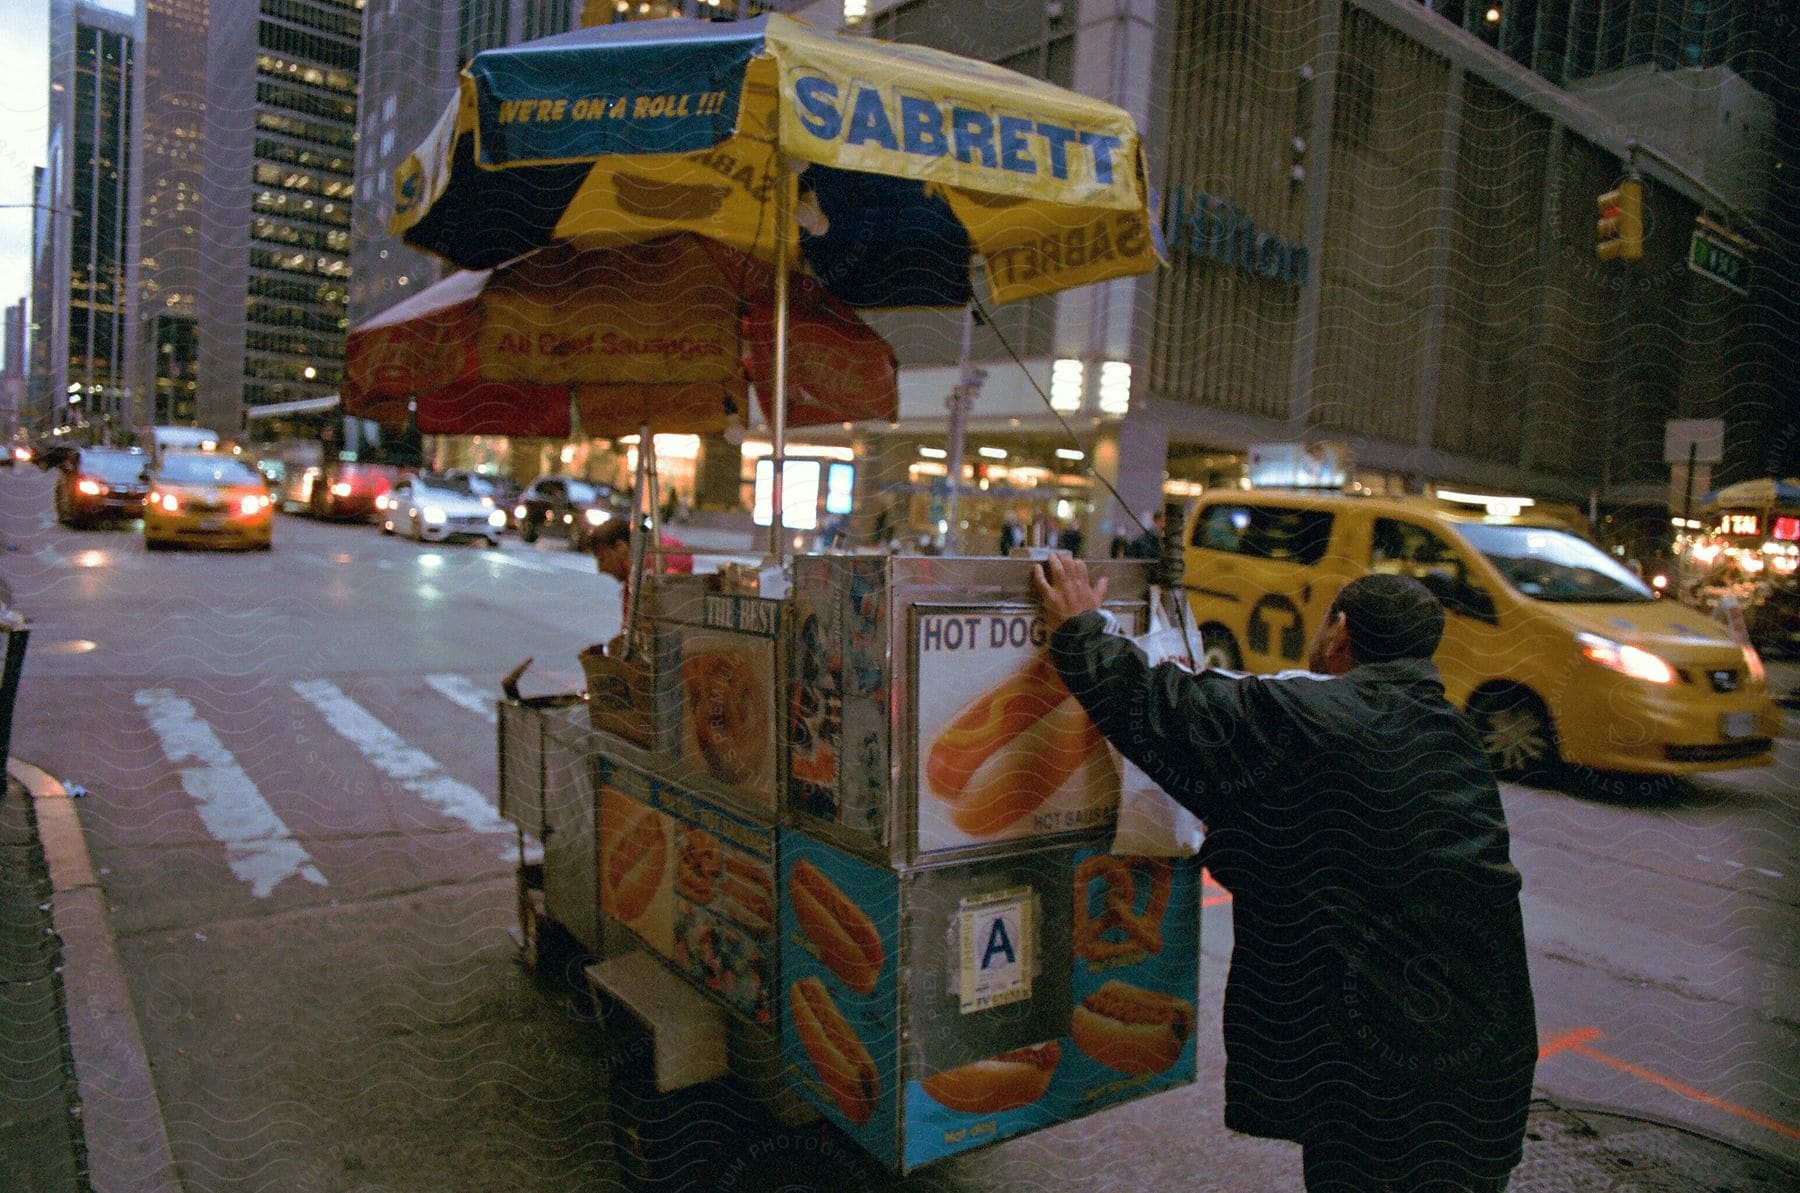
pixel 1074 439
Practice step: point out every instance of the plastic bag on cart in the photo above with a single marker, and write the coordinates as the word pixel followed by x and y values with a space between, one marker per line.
pixel 1151 823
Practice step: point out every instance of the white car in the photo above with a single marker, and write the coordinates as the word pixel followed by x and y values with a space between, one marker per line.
pixel 427 513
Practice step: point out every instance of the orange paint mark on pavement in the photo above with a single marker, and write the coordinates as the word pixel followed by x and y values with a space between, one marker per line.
pixel 1567 1040
pixel 1577 1041
pixel 1687 1091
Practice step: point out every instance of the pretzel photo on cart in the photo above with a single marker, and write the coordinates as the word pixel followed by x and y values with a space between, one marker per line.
pixel 1133 895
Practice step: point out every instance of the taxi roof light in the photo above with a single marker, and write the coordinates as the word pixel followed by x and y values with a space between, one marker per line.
pixel 1753 665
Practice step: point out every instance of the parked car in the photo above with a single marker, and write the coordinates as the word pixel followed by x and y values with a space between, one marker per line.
pixel 202 498
pixel 101 484
pixel 427 511
pixel 566 506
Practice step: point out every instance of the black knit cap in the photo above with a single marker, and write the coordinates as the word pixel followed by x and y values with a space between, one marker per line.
pixel 610 533
pixel 1390 617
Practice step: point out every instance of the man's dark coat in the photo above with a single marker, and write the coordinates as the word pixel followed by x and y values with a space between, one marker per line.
pixel 1378 979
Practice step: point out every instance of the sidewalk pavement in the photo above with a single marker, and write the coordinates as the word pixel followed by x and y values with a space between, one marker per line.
pixel 78 1108
pixel 41 1144
pixel 79 1113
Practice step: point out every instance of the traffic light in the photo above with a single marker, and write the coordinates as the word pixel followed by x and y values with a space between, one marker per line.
pixel 1621 224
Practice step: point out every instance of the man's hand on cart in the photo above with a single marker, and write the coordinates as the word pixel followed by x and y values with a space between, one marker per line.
pixel 1065 590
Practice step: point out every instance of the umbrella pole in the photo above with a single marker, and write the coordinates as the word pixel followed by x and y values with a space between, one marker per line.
pixel 778 417
pixel 643 507
pixel 962 396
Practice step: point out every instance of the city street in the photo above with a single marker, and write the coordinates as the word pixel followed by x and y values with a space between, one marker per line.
pixel 289 766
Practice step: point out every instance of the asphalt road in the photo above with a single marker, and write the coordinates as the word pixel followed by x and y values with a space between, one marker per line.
pixel 289 761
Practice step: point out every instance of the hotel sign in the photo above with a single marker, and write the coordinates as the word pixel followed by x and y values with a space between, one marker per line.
pixel 1202 225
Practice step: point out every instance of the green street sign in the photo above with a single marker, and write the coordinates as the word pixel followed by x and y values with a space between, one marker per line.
pixel 1711 256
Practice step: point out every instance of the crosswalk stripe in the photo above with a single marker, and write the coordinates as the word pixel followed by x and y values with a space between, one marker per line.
pixel 465 693
pixel 258 846
pixel 413 769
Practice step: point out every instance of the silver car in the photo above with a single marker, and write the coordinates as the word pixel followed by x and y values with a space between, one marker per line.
pixel 430 513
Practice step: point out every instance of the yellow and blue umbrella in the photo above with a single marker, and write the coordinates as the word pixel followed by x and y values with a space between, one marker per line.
pixel 894 166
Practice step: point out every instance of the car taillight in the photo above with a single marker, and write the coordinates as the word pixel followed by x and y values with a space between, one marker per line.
pixel 91 488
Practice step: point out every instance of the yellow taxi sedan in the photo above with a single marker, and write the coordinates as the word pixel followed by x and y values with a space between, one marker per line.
pixel 202 499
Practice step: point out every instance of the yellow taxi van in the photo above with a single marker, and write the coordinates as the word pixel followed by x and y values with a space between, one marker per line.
pixel 1558 652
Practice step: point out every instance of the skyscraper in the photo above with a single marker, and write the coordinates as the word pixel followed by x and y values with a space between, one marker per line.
pixel 87 259
pixel 174 109
pixel 12 371
pixel 281 94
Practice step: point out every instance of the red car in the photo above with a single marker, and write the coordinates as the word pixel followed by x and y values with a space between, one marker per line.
pixel 347 491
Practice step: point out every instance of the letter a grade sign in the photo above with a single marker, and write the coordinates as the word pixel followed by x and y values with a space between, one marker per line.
pixel 996 935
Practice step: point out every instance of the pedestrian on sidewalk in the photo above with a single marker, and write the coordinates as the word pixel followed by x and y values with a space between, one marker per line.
pixel 611 547
pixel 1378 1010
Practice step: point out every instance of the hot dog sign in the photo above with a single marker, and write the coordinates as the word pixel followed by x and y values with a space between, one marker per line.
pixel 1004 751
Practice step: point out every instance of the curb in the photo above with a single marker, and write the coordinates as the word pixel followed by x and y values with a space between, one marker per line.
pixel 127 1143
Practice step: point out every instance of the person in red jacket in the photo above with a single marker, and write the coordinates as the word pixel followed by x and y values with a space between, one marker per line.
pixel 611 547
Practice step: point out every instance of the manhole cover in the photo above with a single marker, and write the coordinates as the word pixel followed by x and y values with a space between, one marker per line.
pixel 1599 1152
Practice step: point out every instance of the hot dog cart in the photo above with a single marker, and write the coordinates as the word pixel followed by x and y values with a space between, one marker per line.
pixel 865 829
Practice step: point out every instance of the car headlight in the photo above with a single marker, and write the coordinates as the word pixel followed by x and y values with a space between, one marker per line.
pixel 434 515
pixel 381 502
pixel 341 489
pixel 568 517
pixel 497 519
pixel 249 505
pixel 595 517
pixel 167 501
pixel 1626 660
pixel 487 501
pixel 90 488
pixel 519 512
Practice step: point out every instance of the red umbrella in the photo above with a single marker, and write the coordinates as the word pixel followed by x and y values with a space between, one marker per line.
pixel 669 334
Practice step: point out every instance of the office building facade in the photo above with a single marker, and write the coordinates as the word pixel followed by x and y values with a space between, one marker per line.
pixel 281 96
pixel 85 283
pixel 12 370
pixel 1449 319
pixel 169 181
